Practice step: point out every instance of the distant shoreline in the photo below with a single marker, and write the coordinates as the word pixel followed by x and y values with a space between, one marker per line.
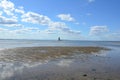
pixel 64 40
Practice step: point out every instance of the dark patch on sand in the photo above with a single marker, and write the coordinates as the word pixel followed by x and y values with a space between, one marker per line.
pixel 42 53
pixel 85 75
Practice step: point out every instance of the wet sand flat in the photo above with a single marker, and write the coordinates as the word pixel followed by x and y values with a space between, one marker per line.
pixel 43 53
pixel 60 63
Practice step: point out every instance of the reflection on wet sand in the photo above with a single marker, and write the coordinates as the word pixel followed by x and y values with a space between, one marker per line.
pixel 9 69
pixel 56 63
pixel 65 62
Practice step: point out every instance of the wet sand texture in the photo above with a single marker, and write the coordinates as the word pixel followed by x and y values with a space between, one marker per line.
pixel 42 53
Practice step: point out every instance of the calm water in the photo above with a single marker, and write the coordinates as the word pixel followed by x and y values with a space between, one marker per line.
pixel 32 43
pixel 98 66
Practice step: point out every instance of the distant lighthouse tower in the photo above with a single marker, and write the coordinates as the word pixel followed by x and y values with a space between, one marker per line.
pixel 59 39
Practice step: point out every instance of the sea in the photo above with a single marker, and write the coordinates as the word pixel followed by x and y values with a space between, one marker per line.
pixel 13 43
pixel 104 65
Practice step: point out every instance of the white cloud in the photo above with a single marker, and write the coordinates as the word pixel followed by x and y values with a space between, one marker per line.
pixel 7 6
pixel 57 25
pixel 60 26
pixel 4 20
pixel 50 31
pixel 14 25
pixel 98 30
pixel 20 10
pixel 35 18
pixel 32 17
pixel 113 36
pixel 1 13
pixel 11 16
pixel 66 17
pixel 3 29
pixel 68 30
pixel 9 22
pixel 24 30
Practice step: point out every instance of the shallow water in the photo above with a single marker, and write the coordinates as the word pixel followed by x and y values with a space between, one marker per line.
pixel 104 65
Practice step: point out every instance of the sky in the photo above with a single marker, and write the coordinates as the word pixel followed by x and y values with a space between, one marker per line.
pixel 68 19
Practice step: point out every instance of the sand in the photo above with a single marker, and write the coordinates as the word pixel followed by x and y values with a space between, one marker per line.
pixel 34 54
pixel 25 63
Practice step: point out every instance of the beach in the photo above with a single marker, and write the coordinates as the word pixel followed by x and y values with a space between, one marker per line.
pixel 89 62
pixel 59 39
pixel 34 54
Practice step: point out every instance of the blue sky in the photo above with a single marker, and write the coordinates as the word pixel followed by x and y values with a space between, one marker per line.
pixel 69 19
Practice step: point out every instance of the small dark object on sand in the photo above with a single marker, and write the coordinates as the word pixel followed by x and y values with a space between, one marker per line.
pixel 85 75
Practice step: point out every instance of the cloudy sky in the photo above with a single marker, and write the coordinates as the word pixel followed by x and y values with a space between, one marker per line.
pixel 69 19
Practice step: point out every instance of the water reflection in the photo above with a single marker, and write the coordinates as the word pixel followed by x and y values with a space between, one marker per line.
pixel 65 62
pixel 94 65
pixel 8 70
pixel 101 53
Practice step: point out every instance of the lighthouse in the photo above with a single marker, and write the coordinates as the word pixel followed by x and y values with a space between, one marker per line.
pixel 59 39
